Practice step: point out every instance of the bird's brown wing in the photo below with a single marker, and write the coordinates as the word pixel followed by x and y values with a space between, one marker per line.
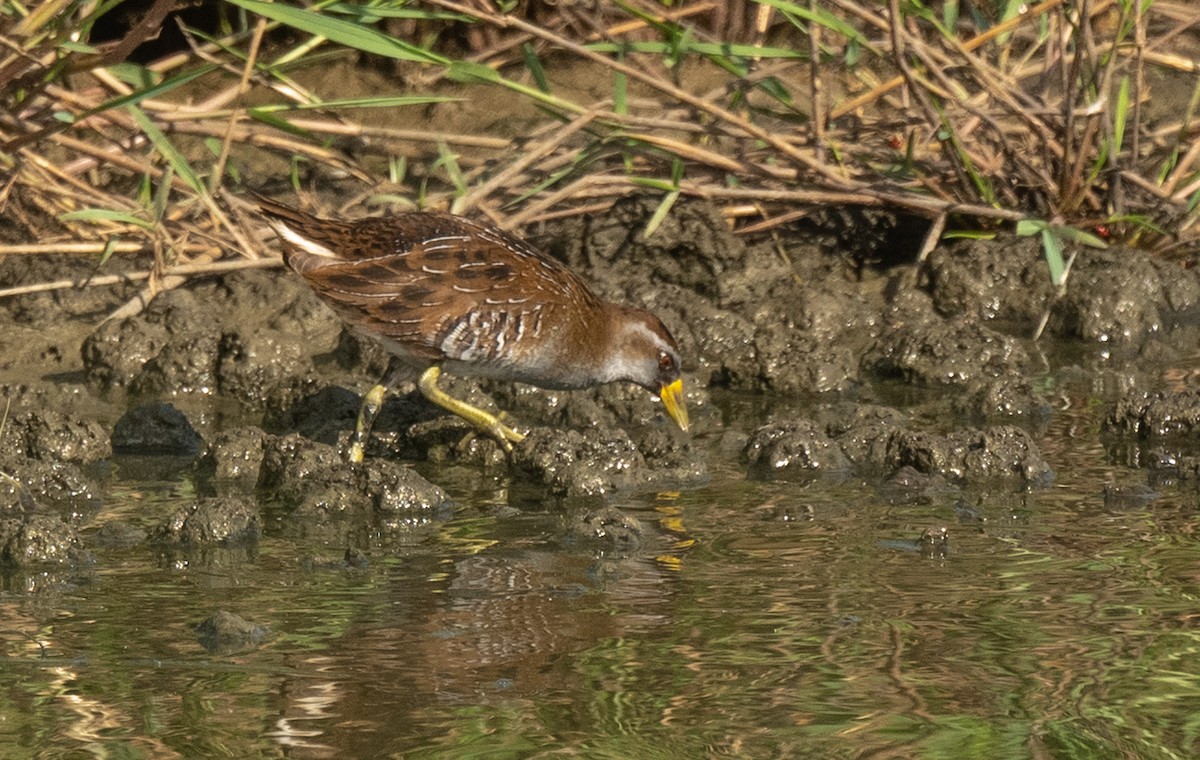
pixel 443 287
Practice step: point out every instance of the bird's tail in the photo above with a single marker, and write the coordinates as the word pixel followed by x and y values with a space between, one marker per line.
pixel 303 235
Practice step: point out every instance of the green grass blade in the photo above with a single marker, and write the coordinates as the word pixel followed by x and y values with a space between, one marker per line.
pixel 1121 117
pixel 653 184
pixel 1078 236
pixel 477 73
pixel 1052 250
pixel 162 196
pixel 534 64
pixel 342 32
pixel 110 246
pixel 661 212
pixel 168 150
pixel 395 101
pixel 376 11
pixel 820 17
pixel 449 159
pixel 280 123
pixel 1029 227
pixel 687 45
pixel 105 215
pixel 161 88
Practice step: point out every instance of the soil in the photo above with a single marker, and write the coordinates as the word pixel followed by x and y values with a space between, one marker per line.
pixel 918 377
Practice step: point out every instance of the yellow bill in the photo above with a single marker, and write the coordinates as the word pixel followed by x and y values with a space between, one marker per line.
pixel 672 398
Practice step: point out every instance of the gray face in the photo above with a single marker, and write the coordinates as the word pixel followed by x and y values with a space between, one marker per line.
pixel 646 353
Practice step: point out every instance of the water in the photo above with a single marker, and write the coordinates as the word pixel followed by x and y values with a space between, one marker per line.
pixel 760 619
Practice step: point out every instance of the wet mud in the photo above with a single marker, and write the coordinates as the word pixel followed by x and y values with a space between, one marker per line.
pixel 917 377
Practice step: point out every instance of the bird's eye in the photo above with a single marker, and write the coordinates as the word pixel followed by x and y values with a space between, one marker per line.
pixel 665 362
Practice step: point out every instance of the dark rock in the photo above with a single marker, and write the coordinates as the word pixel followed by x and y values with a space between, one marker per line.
pixel 212 521
pixel 794 448
pixel 226 633
pixel 158 429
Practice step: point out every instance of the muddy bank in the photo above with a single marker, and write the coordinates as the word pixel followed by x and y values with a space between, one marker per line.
pixel 876 369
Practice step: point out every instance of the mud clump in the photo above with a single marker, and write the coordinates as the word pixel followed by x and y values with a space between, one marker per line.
pixel 972 456
pixel 225 633
pixel 862 431
pixel 877 441
pixel 1009 396
pixel 795 448
pixel 921 348
pixel 63 486
pixel 798 320
pixel 239 337
pixel 1161 414
pixel 606 528
pixel 601 461
pixel 29 539
pixel 211 521
pixel 232 459
pixel 316 486
pixel 52 436
pixel 116 352
pixel 91 304
pixel 1120 297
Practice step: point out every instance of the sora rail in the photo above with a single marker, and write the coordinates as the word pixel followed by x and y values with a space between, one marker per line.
pixel 444 292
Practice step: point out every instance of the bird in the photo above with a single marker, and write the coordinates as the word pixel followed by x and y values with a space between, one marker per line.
pixel 445 292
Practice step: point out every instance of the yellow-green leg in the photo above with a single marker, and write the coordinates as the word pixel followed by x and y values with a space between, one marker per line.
pixel 485 421
pixel 372 403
